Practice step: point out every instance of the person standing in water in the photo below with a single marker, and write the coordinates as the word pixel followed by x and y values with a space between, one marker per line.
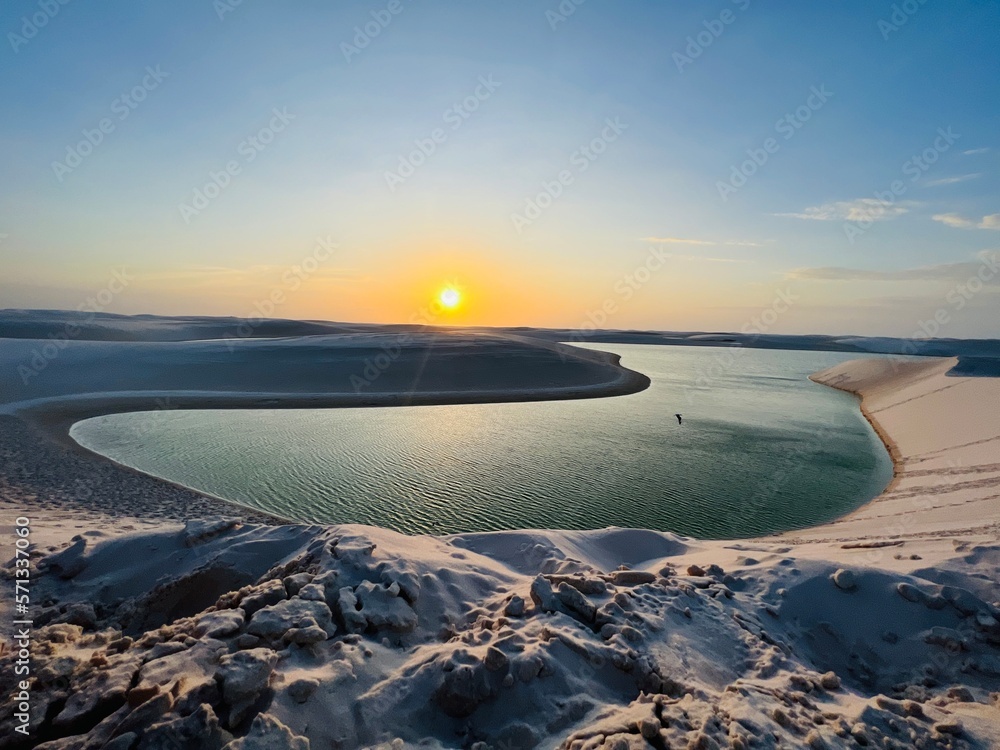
pixel 680 420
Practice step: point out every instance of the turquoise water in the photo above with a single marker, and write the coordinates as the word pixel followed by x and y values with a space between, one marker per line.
pixel 762 449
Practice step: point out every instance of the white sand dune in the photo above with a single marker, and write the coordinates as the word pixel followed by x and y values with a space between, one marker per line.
pixel 880 629
pixel 331 370
pixel 944 434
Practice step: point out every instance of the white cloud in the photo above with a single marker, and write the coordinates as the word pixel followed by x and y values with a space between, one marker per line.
pixel 943 272
pixel 860 209
pixel 990 222
pixel 972 151
pixel 954 220
pixel 957 221
pixel 951 180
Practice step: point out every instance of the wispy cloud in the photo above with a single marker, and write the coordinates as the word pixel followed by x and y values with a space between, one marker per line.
pixel 943 272
pixel 957 221
pixel 249 275
pixel 954 220
pixel 212 271
pixel 704 258
pixel 973 151
pixel 951 180
pixel 683 241
pixel 860 209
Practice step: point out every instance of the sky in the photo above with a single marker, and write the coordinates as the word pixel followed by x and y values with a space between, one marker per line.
pixel 822 167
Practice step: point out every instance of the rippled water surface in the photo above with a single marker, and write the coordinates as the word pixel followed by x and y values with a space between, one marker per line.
pixel 762 449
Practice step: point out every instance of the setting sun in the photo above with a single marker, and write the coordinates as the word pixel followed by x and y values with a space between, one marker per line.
pixel 449 298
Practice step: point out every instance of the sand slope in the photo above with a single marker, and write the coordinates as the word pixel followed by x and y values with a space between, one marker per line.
pixel 330 370
pixel 360 637
pixel 944 432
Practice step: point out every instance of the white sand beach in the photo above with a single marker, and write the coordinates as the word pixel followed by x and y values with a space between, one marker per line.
pixel 944 434
pixel 880 629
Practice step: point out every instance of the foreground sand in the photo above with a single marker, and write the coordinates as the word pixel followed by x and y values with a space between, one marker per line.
pixel 880 629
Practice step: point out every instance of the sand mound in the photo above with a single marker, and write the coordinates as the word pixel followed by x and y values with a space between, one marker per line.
pixel 54 385
pixel 360 637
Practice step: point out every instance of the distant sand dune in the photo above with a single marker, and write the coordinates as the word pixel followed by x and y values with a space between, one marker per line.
pixel 87 378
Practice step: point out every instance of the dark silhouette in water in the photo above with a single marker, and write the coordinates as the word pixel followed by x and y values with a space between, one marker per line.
pixel 679 419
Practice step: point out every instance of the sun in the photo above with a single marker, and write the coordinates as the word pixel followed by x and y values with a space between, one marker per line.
pixel 450 298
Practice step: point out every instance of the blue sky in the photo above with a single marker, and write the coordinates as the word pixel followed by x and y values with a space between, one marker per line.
pixel 696 90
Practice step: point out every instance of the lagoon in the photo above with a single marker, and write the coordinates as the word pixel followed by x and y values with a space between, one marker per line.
pixel 762 449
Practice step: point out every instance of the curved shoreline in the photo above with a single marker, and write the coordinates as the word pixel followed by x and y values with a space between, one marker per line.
pixel 41 428
pixel 307 373
pixel 57 416
pixel 941 431
pixel 890 445
pixel 803 640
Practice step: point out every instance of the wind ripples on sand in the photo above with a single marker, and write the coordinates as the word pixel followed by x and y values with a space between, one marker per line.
pixel 762 449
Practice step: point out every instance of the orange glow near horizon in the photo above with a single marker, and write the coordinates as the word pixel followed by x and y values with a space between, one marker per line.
pixel 458 288
pixel 463 282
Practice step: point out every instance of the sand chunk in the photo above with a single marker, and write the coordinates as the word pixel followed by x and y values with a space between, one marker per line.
pixel 244 676
pixel 382 607
pixel 274 621
pixel 267 733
